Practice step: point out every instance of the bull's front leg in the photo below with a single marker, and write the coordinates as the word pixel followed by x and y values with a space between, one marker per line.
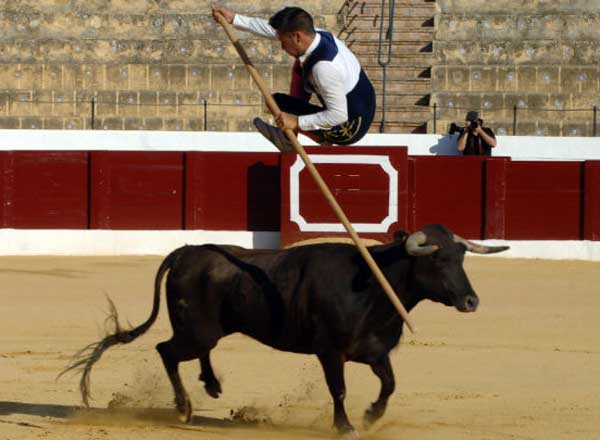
pixel 383 370
pixel 333 366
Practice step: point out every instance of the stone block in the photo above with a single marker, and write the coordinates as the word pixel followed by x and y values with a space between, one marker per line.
pixel 128 103
pixel 547 128
pixel 8 76
pixel 222 77
pixel 577 129
pixel 168 105
pixel 106 103
pixel 548 79
pixel 492 106
pixel 83 103
pixel 71 76
pixel 177 77
pixel 527 79
pixel 153 123
pixel 53 123
pixel 9 122
pixel 195 124
pixel 577 79
pixel 526 128
pixel 29 76
pixel 117 77
pixel 189 104
pixel 457 27
pixel 138 76
pixel 198 77
pixel 112 123
pixel 32 123
pixel 446 106
pixel 158 77
pixel 506 79
pixel 586 52
pixel 134 124
pixel 458 78
pixel 148 103
pixel 74 124
pixel 20 104
pixel 42 103
pixel 64 103
pixel 582 27
pixel 52 76
pixel 539 107
pixel 439 78
pixel 174 124
pixel 482 79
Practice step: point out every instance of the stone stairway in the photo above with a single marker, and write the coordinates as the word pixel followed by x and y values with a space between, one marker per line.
pixel 408 76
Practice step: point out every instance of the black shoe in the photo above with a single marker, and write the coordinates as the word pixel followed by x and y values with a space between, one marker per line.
pixel 274 135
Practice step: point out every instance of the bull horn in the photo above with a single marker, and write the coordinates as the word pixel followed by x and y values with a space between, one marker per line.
pixel 414 242
pixel 479 248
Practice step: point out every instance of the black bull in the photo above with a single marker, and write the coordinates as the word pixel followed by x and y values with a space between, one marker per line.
pixel 318 299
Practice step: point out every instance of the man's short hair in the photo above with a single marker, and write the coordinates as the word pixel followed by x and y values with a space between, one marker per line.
pixel 292 19
pixel 472 116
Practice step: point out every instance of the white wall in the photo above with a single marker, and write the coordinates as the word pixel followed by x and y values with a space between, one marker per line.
pixel 517 147
pixel 107 242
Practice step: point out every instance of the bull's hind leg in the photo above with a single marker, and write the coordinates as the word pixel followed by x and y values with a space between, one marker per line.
pixel 383 370
pixel 172 353
pixel 207 375
pixel 333 366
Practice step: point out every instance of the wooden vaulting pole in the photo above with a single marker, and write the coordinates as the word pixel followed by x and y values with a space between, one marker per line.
pixel 274 108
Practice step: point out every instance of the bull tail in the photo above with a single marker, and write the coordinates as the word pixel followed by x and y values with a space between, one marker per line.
pixel 85 358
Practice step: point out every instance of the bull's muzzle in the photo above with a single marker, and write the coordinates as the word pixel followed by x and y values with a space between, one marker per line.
pixel 467 303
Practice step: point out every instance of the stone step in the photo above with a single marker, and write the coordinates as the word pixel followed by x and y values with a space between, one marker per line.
pixel 399 127
pixel 408 114
pixel 399 35
pixel 404 59
pixel 365 47
pixel 403 86
pixel 394 99
pixel 368 22
pixel 375 72
pixel 167 51
pixel 374 6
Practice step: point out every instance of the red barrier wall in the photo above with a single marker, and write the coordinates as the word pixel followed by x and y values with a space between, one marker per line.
pixel 476 197
pixel 361 181
pixel 232 191
pixel 592 200
pixel 544 201
pixel 136 190
pixel 44 190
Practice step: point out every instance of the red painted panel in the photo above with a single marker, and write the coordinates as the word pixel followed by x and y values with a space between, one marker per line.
pixel 544 201
pixel 361 189
pixel 448 190
pixel 496 169
pixel 592 200
pixel 137 190
pixel 233 191
pixel 44 189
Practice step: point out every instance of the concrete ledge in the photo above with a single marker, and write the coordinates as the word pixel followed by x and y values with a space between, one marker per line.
pixel 107 242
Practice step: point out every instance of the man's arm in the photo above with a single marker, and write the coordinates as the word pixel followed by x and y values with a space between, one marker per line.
pixel 330 86
pixel 257 26
pixel 462 140
pixel 489 139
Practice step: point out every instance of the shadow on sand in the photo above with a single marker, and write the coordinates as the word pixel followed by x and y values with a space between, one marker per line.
pixel 114 416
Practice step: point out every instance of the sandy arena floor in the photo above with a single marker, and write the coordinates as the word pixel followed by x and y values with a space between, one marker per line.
pixel 526 365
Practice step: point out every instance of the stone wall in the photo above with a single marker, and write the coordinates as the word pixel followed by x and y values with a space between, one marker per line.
pixel 147 64
pixel 541 56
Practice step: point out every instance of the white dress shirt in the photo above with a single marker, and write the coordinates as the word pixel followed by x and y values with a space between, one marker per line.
pixel 332 80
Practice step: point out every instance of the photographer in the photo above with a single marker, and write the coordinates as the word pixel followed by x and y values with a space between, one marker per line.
pixel 475 139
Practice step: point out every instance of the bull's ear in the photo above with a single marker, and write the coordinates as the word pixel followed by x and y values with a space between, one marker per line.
pixel 400 236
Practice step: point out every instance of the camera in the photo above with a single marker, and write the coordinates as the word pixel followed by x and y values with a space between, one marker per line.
pixel 473 125
pixel 454 129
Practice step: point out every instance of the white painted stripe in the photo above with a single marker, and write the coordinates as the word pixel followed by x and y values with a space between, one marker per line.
pixel 108 242
pixel 362 159
pixel 517 147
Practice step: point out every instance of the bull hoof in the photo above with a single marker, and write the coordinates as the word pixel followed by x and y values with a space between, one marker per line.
pixel 213 389
pixel 211 385
pixel 350 434
pixel 185 411
pixel 372 414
